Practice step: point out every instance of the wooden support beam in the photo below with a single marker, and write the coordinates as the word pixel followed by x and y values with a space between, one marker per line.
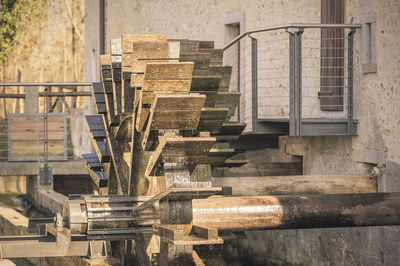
pixel 46 246
pixel 207 233
pixel 116 74
pixel 297 211
pixel 298 184
pixel 196 259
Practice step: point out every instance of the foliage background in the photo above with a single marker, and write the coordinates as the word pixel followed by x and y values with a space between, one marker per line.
pixel 40 41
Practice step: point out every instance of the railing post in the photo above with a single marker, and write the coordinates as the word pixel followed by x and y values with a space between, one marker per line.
pixel 46 176
pixel 295 79
pixel 292 117
pixel 298 83
pixel 254 86
pixel 350 110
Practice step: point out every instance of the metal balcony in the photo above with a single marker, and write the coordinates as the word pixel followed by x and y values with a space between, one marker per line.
pixel 300 77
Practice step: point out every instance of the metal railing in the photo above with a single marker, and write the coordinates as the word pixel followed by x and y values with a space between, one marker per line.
pixel 45 171
pixel 295 73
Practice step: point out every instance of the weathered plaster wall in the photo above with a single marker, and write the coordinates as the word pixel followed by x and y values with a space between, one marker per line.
pixel 200 20
pixel 377 108
pixel 377 100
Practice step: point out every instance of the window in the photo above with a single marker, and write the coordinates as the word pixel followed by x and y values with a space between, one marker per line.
pixel 332 56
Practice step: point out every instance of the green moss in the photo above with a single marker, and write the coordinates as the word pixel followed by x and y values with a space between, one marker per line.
pixel 13 14
pixel 6 199
pixel 70 147
pixel 3 141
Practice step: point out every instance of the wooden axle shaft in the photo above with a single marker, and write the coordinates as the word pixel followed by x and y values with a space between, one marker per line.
pixel 297 211
pixel 298 184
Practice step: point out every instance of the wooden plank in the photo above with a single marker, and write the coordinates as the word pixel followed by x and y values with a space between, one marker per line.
pixel 101 108
pixel 97 88
pixel 214 113
pixel 207 233
pixel 218 99
pixel 224 72
pixel 33 149
pixel 150 50
pixel 99 178
pixel 100 98
pixel 101 148
pixel 298 184
pixel 149 203
pixel 117 95
pixel 232 128
pixel 180 149
pixel 142 115
pixel 228 100
pixel 139 66
pixel 31 134
pixel 138 96
pixel 116 48
pixel 174 49
pixel 169 70
pixel 32 128
pixel 155 156
pixel 233 162
pixel 128 39
pixel 196 259
pixel 206 44
pixel 180 101
pixel 98 134
pixel 192 240
pixel 137 80
pixel 93 161
pixel 166 85
pixel 108 86
pixel 113 120
pixel 33 118
pixel 180 112
pixel 149 96
pixel 105 63
pixel 201 60
pixel 216 57
pixel 187 46
pixel 170 232
pixel 229 152
pixel 205 83
pixel 95 122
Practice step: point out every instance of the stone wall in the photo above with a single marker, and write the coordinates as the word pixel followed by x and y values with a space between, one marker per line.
pixel 376 106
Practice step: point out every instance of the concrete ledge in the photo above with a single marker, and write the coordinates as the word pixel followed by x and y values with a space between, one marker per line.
pixel 50 200
pixel 74 167
pixel 14 223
